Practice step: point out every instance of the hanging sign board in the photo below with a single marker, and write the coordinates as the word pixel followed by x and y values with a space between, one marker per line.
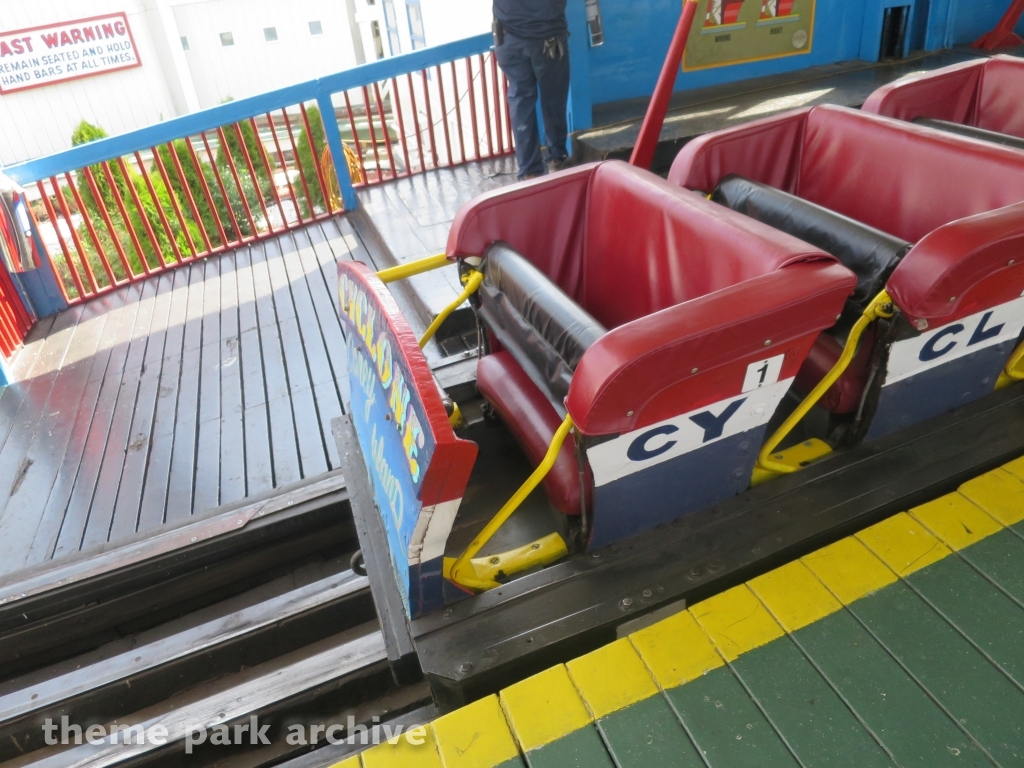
pixel 55 53
pixel 739 31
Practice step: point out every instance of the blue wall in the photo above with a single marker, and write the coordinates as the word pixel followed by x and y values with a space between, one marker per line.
pixel 638 33
pixel 961 22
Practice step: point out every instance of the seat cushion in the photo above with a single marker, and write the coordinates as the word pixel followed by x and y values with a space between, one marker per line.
pixel 542 328
pixel 532 420
pixel 869 253
pixel 845 395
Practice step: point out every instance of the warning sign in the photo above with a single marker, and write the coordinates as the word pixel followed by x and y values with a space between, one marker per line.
pixel 38 56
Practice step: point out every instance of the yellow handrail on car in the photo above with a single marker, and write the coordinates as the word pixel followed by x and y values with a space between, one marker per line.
pixel 880 306
pixel 462 572
pixel 418 267
pixel 472 279
pixel 1014 370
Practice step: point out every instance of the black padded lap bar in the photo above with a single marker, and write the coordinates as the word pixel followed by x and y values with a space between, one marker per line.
pixel 868 252
pixel 542 328
pixel 970 131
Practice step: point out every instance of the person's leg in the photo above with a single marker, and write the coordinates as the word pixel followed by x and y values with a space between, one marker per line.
pixel 553 79
pixel 514 59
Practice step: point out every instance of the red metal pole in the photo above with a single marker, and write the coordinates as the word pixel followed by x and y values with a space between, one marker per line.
pixel 416 120
pixel 206 187
pixel 105 215
pixel 252 173
pixel 444 114
pixel 497 103
pixel 373 132
pixel 458 114
pixel 486 105
pixel 284 168
pixel 88 227
pixel 142 215
pixel 178 169
pixel 159 208
pixel 174 199
pixel 384 127
pixel 396 108
pixel 234 175
pixel 650 131
pixel 1003 35
pixel 298 165
pixel 430 117
pixel 472 108
pixel 270 172
pixel 79 249
pixel 355 138
pixel 223 189
pixel 316 159
pixel 60 238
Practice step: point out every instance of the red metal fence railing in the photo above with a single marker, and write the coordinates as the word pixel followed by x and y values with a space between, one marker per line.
pixel 122 208
pixel 435 117
pixel 134 215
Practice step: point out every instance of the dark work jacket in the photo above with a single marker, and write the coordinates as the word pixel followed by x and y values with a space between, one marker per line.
pixel 532 19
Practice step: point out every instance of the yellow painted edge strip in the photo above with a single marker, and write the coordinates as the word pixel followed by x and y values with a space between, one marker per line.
pixel 903 544
pixel 682 647
pixel 475 736
pixel 736 621
pixel 794 596
pixel 544 708
pixel 1000 493
pixel 676 650
pixel 349 762
pixel 956 521
pixel 611 678
pixel 415 748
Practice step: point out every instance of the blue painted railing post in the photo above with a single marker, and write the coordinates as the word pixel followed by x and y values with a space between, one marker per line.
pixel 348 192
pixel 5 374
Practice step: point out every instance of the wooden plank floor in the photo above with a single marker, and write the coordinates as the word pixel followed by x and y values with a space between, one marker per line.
pixel 192 389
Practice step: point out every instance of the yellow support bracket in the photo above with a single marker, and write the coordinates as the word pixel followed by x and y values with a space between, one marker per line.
pixel 472 280
pixel 543 551
pixel 418 267
pixel 797 457
pixel 880 306
pixel 462 571
pixel 1014 370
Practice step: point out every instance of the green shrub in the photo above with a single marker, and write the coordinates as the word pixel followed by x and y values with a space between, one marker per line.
pixel 309 159
pixel 151 204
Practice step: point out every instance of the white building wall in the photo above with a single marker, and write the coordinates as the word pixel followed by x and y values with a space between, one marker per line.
pixel 40 121
pixel 448 20
pixel 252 65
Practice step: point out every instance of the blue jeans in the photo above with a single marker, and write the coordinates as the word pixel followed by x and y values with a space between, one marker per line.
pixel 527 69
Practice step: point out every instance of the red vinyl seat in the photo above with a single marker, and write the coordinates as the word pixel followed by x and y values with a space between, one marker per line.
pixel 956 199
pixel 690 294
pixel 983 93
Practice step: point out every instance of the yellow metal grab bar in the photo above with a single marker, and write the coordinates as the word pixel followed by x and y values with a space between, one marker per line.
pixel 1014 370
pixel 418 267
pixel 462 572
pixel 880 306
pixel 472 279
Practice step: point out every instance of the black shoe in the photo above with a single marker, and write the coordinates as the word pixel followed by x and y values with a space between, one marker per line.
pixel 554 166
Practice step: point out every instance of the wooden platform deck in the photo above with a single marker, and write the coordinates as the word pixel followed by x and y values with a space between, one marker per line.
pixel 192 389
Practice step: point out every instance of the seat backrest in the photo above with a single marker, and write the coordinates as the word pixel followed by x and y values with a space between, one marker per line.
pixel 544 330
pixel 944 94
pixel 903 179
pixel 1001 96
pixel 868 252
pixel 650 245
